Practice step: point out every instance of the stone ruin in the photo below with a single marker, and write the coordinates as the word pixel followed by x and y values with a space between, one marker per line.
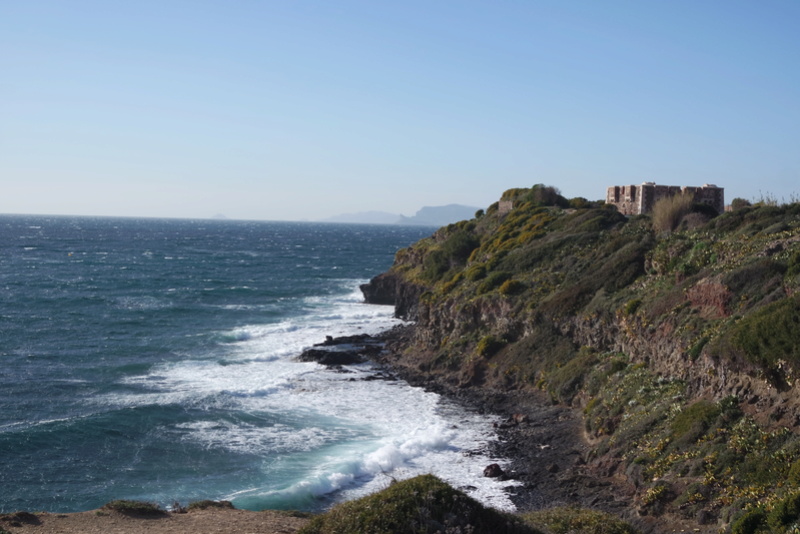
pixel 639 199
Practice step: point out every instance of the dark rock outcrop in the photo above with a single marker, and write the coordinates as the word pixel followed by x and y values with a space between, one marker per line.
pixel 345 350
pixel 389 289
pixel 332 357
pixel 493 471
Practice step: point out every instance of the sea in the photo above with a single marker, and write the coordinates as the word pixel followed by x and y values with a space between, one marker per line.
pixel 155 360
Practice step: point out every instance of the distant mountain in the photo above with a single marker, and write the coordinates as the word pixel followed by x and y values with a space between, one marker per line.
pixel 440 215
pixel 365 217
pixel 427 216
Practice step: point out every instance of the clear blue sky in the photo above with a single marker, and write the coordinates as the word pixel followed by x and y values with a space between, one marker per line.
pixel 288 110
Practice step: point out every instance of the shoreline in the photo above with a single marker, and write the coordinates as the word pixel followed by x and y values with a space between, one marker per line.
pixel 543 443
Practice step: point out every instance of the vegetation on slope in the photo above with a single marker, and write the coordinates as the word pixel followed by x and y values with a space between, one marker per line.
pixel 421 505
pixel 676 335
pixel 426 505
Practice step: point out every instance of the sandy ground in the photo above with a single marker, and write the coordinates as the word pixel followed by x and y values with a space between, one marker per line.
pixel 210 521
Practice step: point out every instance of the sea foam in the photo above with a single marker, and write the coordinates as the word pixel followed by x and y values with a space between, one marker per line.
pixel 330 434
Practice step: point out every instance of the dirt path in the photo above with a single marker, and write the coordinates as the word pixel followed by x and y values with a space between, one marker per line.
pixel 211 521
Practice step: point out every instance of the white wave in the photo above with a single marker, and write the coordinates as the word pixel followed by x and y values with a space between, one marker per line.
pixel 245 438
pixel 351 474
pixel 341 433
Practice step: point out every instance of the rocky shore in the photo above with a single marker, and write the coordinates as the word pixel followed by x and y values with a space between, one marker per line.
pixel 544 443
pixel 548 450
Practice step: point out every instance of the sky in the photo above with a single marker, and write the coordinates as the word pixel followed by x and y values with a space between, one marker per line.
pixel 302 110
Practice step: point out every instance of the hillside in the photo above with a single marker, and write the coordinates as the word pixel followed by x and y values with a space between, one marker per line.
pixel 675 336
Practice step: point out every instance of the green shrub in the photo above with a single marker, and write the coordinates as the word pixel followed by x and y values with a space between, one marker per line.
pixel 459 245
pixel 785 513
pixel 770 334
pixel 567 520
pixel 793 266
pixel 566 381
pixel 420 505
pixel 696 349
pixel 435 265
pixel 755 280
pixel 205 505
pixel 579 203
pixel 632 305
pixel 454 251
pixel 592 225
pixel 545 195
pixel 135 508
pixel 511 287
pixel 476 272
pixel 694 420
pixel 488 346
pixel 592 220
pixel 751 522
pixel 794 473
pixel 492 281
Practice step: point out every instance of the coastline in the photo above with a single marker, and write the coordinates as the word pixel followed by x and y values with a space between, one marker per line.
pixel 544 443
pixel 541 441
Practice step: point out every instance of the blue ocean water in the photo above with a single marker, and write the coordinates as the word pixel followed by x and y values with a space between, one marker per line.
pixel 154 360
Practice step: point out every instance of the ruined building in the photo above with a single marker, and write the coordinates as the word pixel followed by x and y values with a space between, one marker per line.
pixel 638 199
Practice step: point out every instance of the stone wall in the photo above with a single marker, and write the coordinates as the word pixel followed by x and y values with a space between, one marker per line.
pixel 639 199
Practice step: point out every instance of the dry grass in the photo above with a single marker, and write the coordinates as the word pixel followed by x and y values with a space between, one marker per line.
pixel 669 211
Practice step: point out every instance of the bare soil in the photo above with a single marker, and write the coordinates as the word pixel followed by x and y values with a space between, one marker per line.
pixel 209 521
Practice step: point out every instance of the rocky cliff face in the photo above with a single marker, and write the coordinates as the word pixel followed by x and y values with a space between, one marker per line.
pixel 391 289
pixel 585 304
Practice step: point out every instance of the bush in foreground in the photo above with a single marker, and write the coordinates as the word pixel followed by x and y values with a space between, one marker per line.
pixel 135 508
pixel 421 505
pixel 205 505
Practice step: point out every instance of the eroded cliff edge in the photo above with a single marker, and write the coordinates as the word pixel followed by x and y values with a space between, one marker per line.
pixel 677 343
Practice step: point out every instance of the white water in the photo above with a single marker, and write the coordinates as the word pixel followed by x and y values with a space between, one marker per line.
pixel 321 434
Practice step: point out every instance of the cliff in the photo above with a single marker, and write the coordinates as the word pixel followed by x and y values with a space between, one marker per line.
pixel 675 336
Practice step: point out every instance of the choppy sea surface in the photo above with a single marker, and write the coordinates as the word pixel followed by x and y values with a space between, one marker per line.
pixel 154 360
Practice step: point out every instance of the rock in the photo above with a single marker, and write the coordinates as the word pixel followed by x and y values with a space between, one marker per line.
pixel 345 350
pixel 381 376
pixel 388 288
pixel 332 358
pixel 380 290
pixel 519 418
pixel 493 471
pixel 357 339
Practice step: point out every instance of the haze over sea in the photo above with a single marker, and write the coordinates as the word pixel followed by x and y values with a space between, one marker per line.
pixel 154 360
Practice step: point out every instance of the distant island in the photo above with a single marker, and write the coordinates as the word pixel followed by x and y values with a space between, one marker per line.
pixel 427 216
